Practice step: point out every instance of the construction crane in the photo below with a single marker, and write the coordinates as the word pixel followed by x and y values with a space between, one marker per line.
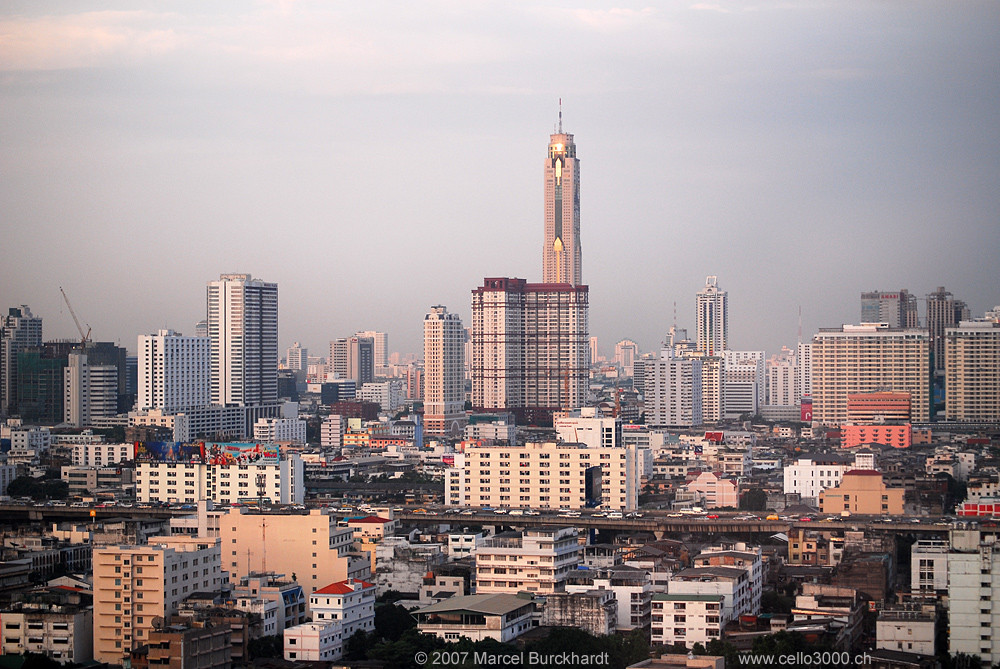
pixel 84 338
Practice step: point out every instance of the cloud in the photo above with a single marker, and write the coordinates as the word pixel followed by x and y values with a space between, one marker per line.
pixel 708 7
pixel 83 40
pixel 616 18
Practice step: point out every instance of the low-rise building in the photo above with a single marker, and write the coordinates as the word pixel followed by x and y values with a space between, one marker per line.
pixel 270 592
pixel 631 587
pixel 502 617
pixel 537 560
pixel 350 602
pixel 841 607
pixel 180 647
pixel 910 629
pixel 593 611
pixel 714 490
pixel 59 630
pixel 862 492
pixel 688 619
pixel 853 435
pixel 314 642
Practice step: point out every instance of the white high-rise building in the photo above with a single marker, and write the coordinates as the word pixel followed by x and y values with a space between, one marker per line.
pixel 91 391
pixel 19 330
pixel 744 382
pixel 782 375
pixel 297 358
pixel 673 390
pixel 243 328
pixel 972 371
pixel 174 372
pixel 562 259
pixel 713 317
pixel 444 378
pixel 626 352
pixel 594 355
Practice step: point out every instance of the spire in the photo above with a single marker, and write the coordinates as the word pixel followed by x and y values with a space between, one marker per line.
pixel 560 116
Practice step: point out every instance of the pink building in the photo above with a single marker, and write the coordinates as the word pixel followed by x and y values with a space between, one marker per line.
pixel 854 435
pixel 717 491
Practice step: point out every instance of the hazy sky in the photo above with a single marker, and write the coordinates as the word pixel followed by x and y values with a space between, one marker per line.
pixel 377 158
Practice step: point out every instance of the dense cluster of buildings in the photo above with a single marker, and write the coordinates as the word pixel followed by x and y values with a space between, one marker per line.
pixel 516 415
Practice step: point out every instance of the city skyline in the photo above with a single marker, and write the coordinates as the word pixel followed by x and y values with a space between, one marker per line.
pixel 143 160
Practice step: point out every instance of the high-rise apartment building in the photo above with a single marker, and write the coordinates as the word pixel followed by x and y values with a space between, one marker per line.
pixel 530 348
pixel 626 352
pixel 444 373
pixel 897 308
pixel 297 358
pixel 19 330
pixel 803 371
pixel 91 391
pixel 781 379
pixel 174 372
pixel 243 329
pixel 136 587
pixel 562 259
pixel 41 390
pixel 353 358
pixel 744 382
pixel 972 371
pixel 380 351
pixel 867 358
pixel 943 311
pixel 673 390
pixel 594 355
pixel 713 317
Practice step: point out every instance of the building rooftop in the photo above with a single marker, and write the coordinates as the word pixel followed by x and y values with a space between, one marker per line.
pixel 486 604
pixel 661 597
pixel 344 587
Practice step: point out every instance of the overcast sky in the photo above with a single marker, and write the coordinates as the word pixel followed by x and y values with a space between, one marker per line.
pixel 377 158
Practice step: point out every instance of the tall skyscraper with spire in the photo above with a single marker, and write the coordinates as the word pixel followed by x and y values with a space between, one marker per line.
pixel 561 256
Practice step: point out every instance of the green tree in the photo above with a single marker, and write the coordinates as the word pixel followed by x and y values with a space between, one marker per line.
pixel 392 620
pixel 266 646
pixel 356 647
pixel 754 499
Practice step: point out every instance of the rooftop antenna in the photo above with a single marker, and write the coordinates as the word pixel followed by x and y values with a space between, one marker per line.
pixel 800 325
pixel 675 314
pixel 560 116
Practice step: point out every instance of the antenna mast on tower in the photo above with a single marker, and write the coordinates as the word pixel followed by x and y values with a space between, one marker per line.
pixel 560 116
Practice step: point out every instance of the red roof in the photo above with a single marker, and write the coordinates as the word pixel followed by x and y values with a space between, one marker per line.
pixel 863 472
pixel 342 587
pixel 369 519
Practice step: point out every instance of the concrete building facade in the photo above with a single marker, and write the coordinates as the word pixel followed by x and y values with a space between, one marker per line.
pixel 174 372
pixel 530 351
pixel 243 332
pixel 866 358
pixel 444 373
